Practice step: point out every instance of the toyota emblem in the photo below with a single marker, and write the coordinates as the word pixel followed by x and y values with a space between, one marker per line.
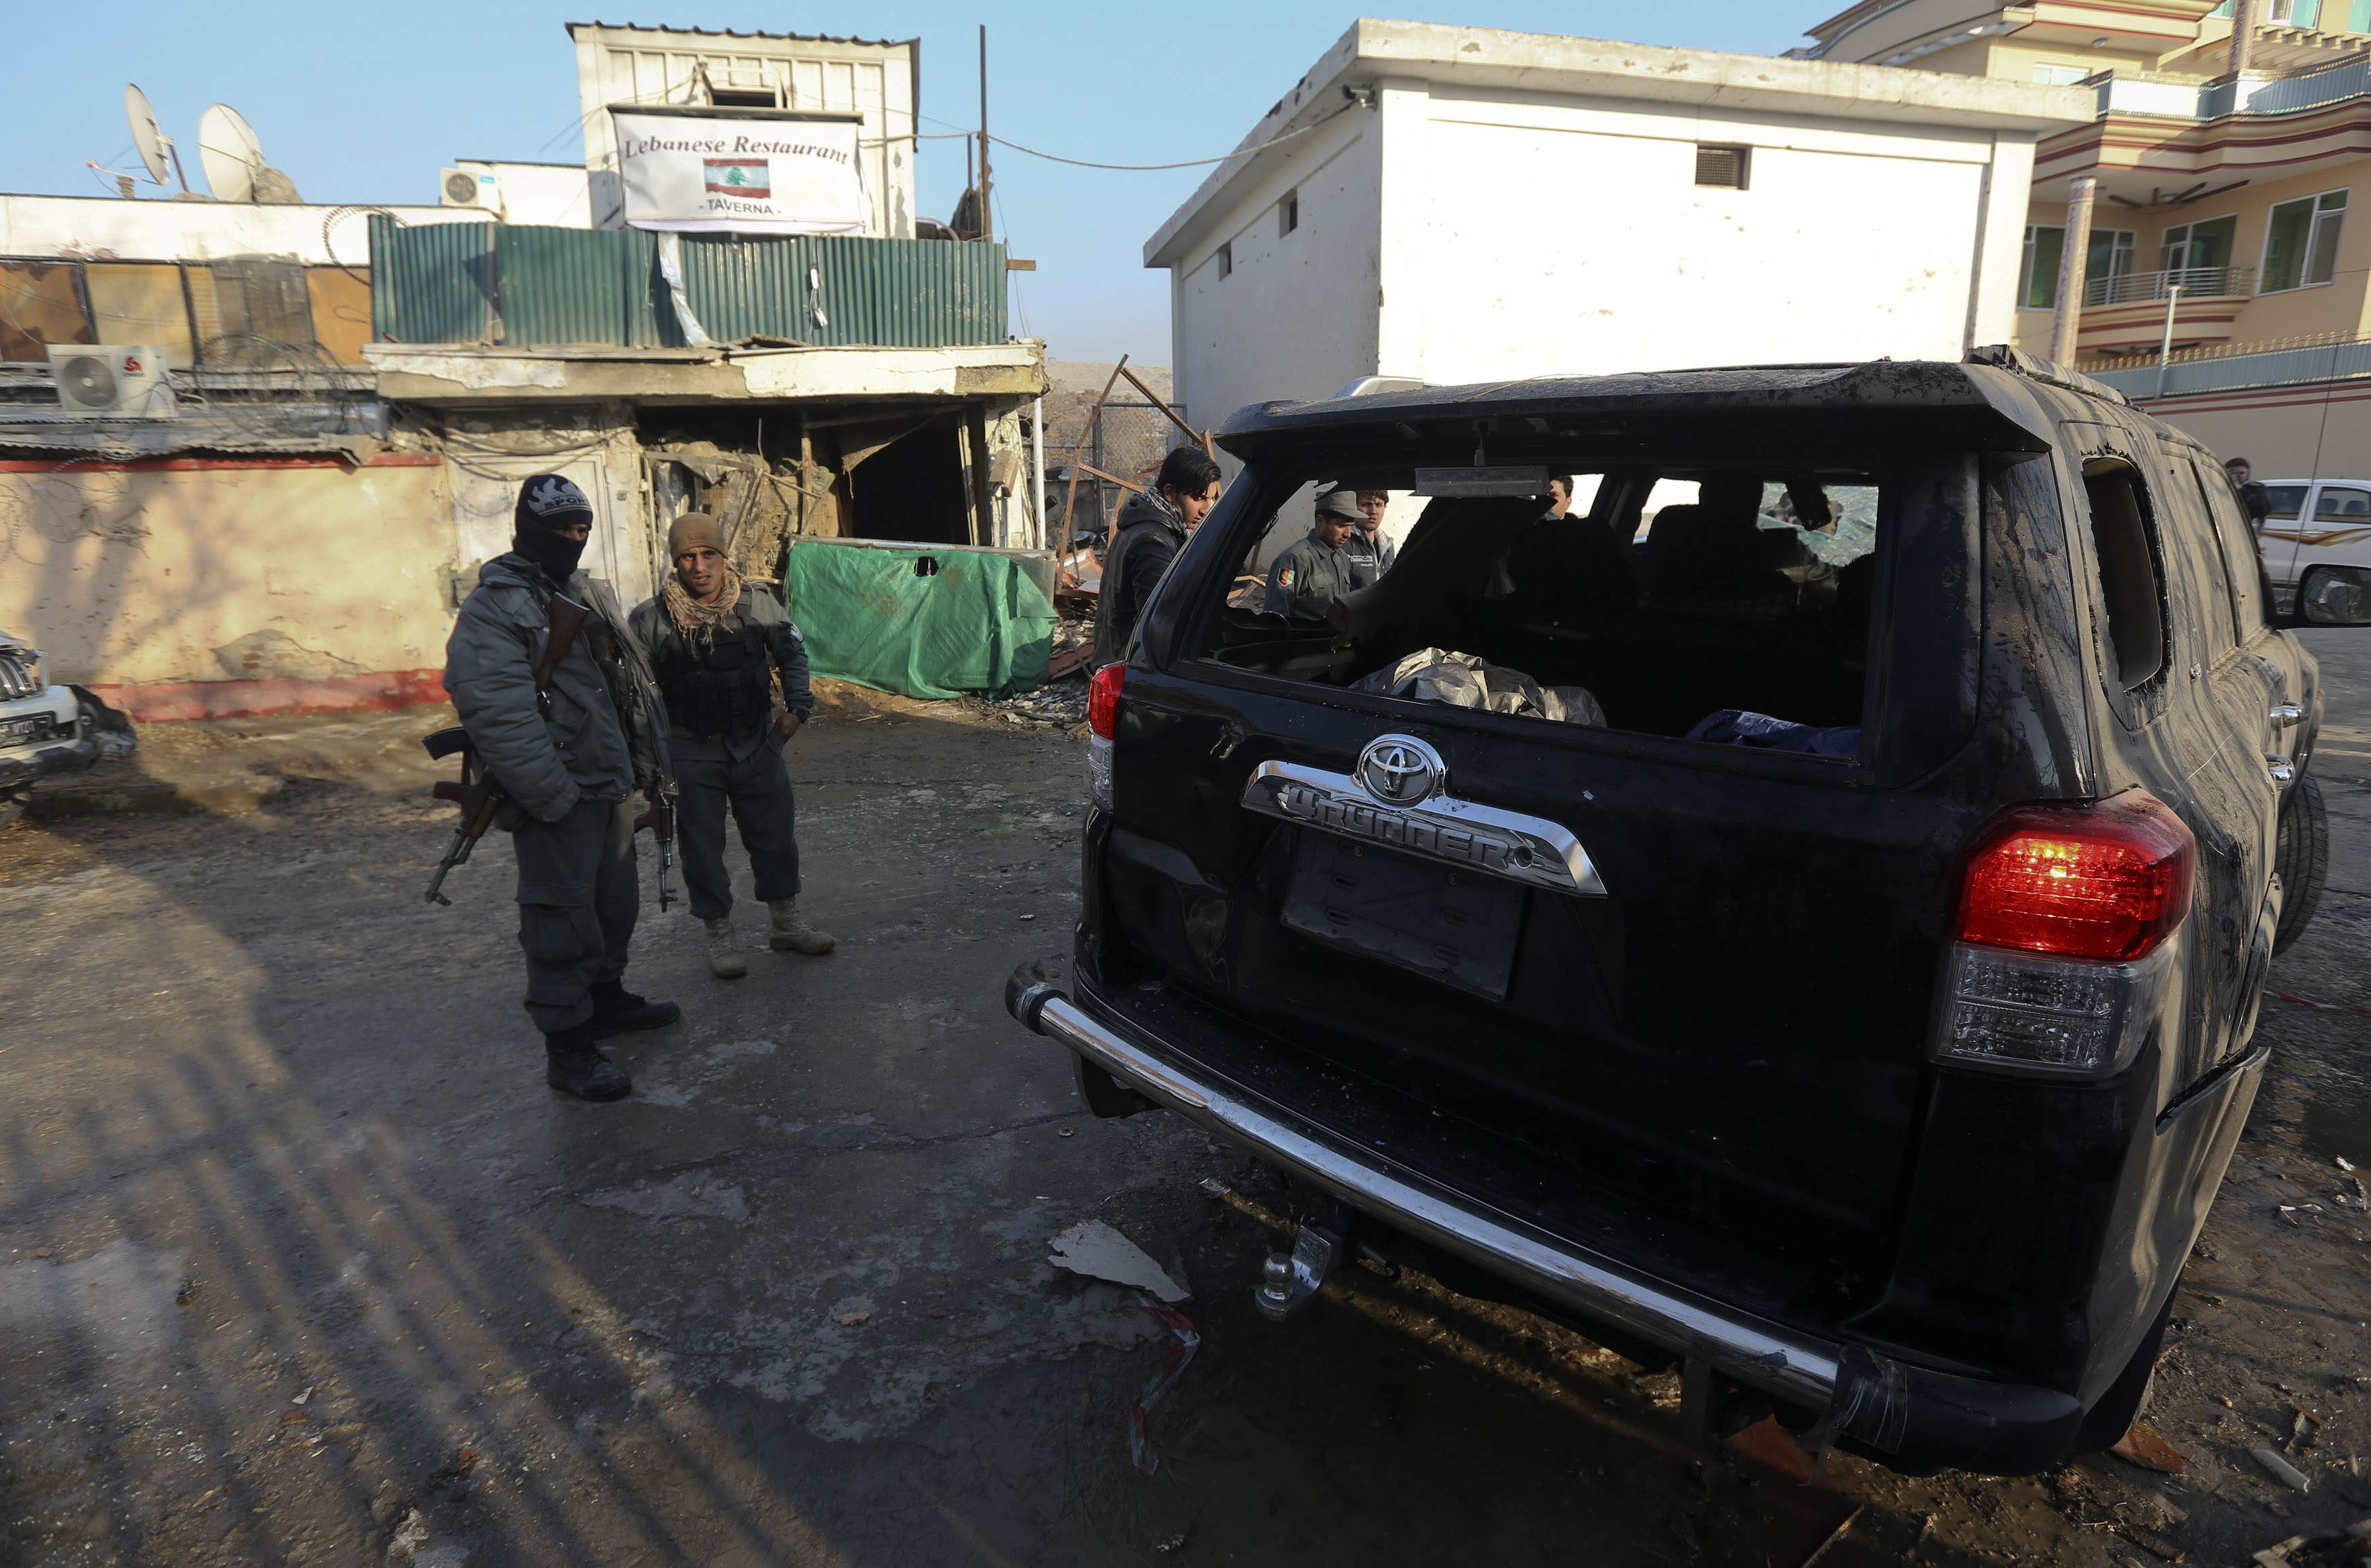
pixel 1399 770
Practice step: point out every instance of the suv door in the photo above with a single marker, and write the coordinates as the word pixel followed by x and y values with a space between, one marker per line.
pixel 2239 680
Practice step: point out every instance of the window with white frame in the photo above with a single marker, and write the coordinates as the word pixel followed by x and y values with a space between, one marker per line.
pixel 2197 255
pixel 2059 75
pixel 2301 242
pixel 2110 258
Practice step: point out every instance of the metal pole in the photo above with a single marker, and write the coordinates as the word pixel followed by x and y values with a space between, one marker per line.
pixel 2243 40
pixel 2072 267
pixel 1038 484
pixel 2165 350
pixel 986 212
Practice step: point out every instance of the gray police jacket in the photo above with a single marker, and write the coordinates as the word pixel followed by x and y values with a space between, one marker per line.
pixel 588 745
pixel 1305 579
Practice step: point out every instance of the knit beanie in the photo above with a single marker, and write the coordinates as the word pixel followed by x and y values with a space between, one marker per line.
pixel 692 531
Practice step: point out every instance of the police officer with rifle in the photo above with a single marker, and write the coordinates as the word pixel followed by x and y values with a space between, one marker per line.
pixel 560 714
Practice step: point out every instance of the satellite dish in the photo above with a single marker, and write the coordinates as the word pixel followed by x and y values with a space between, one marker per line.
pixel 146 134
pixel 230 154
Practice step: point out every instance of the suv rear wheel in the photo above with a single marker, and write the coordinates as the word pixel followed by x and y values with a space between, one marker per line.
pixel 2302 859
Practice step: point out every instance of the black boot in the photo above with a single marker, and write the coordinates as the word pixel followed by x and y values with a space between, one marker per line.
pixel 574 1064
pixel 616 1009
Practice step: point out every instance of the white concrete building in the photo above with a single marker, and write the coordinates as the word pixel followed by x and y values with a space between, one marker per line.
pixel 880 82
pixel 1461 204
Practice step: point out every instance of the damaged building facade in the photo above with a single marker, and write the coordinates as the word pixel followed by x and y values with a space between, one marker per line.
pixel 293 531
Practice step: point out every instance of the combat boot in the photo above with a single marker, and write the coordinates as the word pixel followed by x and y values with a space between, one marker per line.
pixel 725 959
pixel 574 1064
pixel 792 934
pixel 617 1011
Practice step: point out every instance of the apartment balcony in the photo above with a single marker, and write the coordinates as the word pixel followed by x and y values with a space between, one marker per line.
pixel 2126 311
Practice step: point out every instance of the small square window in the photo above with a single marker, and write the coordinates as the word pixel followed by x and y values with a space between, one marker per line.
pixel 1287 213
pixel 1725 168
pixel 1226 260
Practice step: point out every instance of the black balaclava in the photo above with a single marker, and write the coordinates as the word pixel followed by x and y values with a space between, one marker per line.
pixel 546 502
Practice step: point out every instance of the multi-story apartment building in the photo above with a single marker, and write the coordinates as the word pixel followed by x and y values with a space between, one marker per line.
pixel 2229 252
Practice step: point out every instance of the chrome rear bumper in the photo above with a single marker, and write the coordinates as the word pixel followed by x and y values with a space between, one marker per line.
pixel 1779 1361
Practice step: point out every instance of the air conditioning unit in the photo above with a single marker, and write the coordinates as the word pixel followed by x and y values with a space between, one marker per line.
pixel 113 381
pixel 471 188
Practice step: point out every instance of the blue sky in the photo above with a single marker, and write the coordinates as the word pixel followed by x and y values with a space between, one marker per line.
pixel 365 104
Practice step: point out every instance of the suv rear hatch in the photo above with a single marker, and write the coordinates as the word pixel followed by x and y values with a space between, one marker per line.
pixel 1697 1042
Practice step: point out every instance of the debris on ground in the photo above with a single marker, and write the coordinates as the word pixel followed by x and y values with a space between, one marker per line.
pixel 2141 1445
pixel 851 1319
pixel 2280 1470
pixel 1172 1366
pixel 1059 705
pixel 1094 1249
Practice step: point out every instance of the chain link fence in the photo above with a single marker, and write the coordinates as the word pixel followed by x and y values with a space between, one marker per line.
pixel 1129 442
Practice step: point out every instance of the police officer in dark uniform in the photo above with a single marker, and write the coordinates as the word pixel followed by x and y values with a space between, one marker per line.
pixel 571 757
pixel 716 644
pixel 1309 577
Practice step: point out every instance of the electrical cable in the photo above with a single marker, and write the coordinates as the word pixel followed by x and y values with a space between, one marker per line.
pixel 1182 163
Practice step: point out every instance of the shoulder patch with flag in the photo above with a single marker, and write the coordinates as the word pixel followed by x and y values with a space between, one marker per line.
pixel 1284 578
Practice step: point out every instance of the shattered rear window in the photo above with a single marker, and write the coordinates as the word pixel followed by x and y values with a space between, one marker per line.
pixel 1727 605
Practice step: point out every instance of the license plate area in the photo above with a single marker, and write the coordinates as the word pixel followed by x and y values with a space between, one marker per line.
pixel 25 732
pixel 1455 927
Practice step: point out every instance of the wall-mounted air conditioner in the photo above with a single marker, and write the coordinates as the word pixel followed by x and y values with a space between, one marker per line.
pixel 113 381
pixel 470 187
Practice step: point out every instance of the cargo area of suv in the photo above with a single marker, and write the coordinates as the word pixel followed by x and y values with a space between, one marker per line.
pixel 1675 596
pixel 1594 878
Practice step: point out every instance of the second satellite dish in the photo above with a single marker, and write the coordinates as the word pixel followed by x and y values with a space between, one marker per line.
pixel 146 134
pixel 230 154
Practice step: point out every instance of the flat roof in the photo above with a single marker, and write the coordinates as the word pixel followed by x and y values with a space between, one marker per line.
pixel 1552 63
pixel 734 32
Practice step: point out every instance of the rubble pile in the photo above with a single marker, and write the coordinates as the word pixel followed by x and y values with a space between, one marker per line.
pixel 1058 705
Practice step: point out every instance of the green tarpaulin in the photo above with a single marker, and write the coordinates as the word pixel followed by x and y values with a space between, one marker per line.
pixel 921 620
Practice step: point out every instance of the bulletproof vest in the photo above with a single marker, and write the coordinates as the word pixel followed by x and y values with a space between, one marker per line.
pixel 723 688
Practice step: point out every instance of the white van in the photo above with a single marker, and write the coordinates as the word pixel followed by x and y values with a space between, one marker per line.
pixel 2313 522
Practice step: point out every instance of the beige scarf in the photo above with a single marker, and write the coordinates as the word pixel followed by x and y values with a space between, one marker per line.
pixel 695 621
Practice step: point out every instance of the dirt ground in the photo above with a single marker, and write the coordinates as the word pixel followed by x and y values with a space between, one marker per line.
pixel 301 1263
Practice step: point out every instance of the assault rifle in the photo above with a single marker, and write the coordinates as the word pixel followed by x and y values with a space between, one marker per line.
pixel 659 817
pixel 478 794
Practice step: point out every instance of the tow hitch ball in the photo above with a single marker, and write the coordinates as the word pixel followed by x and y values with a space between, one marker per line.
pixel 1287 1280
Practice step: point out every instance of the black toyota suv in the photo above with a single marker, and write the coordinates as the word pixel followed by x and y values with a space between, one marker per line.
pixel 1798 910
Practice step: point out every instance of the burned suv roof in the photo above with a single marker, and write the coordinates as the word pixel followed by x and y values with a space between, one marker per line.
pixel 1983 382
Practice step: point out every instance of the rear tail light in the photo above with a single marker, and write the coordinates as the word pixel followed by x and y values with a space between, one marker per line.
pixel 2067 950
pixel 1103 724
pixel 2108 881
pixel 1102 700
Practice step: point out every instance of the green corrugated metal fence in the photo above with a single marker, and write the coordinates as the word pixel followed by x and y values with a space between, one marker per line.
pixel 883 293
pixel 528 285
pixel 432 283
pixel 579 286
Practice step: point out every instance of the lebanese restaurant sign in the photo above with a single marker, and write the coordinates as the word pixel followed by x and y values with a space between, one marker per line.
pixel 694 174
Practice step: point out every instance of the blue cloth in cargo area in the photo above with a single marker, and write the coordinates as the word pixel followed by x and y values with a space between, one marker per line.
pixel 1741 727
pixel 927 621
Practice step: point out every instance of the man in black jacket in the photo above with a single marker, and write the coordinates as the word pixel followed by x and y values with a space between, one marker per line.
pixel 2256 500
pixel 1152 527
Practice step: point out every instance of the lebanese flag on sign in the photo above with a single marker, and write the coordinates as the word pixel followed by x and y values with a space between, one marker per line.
pixel 736 177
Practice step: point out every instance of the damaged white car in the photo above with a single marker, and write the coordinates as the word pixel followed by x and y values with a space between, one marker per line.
pixel 45 728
